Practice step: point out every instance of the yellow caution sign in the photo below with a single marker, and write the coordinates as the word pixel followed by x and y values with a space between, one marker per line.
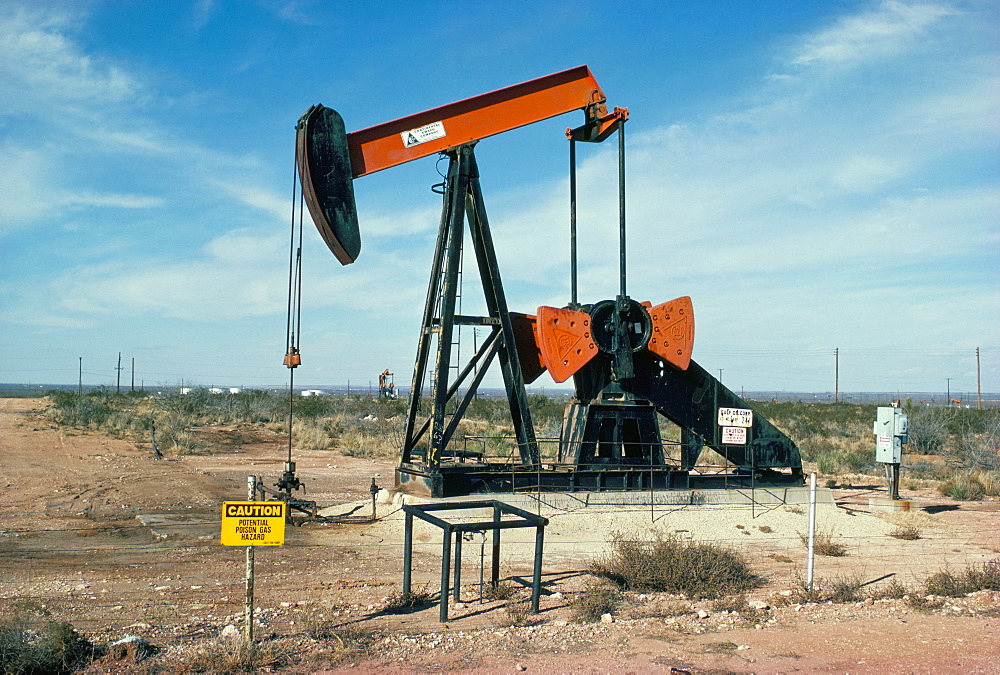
pixel 253 523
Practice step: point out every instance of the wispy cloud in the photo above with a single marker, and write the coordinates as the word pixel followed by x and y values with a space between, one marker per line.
pixel 40 61
pixel 887 28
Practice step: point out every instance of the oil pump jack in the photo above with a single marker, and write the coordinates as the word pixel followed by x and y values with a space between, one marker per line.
pixel 630 361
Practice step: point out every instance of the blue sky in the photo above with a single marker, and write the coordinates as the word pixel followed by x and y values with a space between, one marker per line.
pixel 816 175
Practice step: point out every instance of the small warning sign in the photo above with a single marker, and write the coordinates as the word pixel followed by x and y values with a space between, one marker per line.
pixel 734 435
pixel 735 417
pixel 253 523
pixel 429 132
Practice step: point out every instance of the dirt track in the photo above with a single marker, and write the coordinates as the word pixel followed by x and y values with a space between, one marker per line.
pixel 71 539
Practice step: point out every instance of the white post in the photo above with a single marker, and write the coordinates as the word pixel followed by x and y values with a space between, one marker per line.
pixel 812 531
pixel 248 608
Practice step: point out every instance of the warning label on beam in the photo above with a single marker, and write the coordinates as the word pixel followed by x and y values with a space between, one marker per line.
pixel 429 132
pixel 253 523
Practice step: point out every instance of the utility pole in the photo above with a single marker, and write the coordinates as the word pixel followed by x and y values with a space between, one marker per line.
pixel 133 374
pixel 720 375
pixel 79 386
pixel 947 401
pixel 836 375
pixel 979 384
pixel 118 389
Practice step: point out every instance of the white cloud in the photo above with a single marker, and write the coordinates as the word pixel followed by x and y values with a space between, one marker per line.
pixel 120 201
pixel 889 27
pixel 46 68
pixel 218 287
pixel 256 197
pixel 22 173
pixel 866 173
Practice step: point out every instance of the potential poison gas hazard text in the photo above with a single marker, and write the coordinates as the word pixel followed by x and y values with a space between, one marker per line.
pixel 253 523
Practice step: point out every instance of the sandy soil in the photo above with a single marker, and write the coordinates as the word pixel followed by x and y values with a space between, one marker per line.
pixel 72 539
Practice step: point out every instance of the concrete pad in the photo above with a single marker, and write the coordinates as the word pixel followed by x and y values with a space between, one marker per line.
pixel 886 505
pixel 769 496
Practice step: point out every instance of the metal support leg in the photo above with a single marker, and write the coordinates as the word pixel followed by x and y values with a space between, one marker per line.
pixel 445 570
pixel 536 580
pixel 495 573
pixel 407 553
pixel 458 567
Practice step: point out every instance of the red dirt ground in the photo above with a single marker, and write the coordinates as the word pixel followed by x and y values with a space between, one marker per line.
pixel 70 539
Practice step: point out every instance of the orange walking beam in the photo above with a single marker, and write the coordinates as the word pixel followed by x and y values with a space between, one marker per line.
pixel 448 126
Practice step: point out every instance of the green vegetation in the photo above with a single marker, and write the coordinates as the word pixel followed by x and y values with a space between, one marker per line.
pixel 356 426
pixel 959 449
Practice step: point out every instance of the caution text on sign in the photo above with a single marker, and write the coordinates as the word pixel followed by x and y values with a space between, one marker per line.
pixel 253 523
pixel 734 435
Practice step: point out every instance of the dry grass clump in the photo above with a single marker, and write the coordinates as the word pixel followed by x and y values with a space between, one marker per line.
pixel 840 589
pixel 230 654
pixel 907 532
pixel 594 601
pixel 894 590
pixel 516 614
pixel 847 588
pixel 500 591
pixel 401 602
pixel 971 486
pixel 669 564
pixel 985 577
pixel 824 544
pixel 918 519
pixel 31 641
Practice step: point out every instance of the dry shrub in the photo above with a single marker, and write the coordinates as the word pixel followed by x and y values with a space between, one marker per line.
pixel 401 602
pixel 516 614
pixel 500 591
pixel 670 564
pixel 594 601
pixel 893 590
pixel 32 642
pixel 990 480
pixel 227 655
pixel 918 519
pixel 839 589
pixel 824 544
pixel 924 604
pixel 985 577
pixel 962 488
pixel 310 434
pixel 846 589
pixel 907 532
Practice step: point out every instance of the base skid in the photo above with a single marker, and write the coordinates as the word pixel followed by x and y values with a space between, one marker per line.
pixel 454 480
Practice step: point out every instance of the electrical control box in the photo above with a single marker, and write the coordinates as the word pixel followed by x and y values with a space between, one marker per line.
pixel 891 432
